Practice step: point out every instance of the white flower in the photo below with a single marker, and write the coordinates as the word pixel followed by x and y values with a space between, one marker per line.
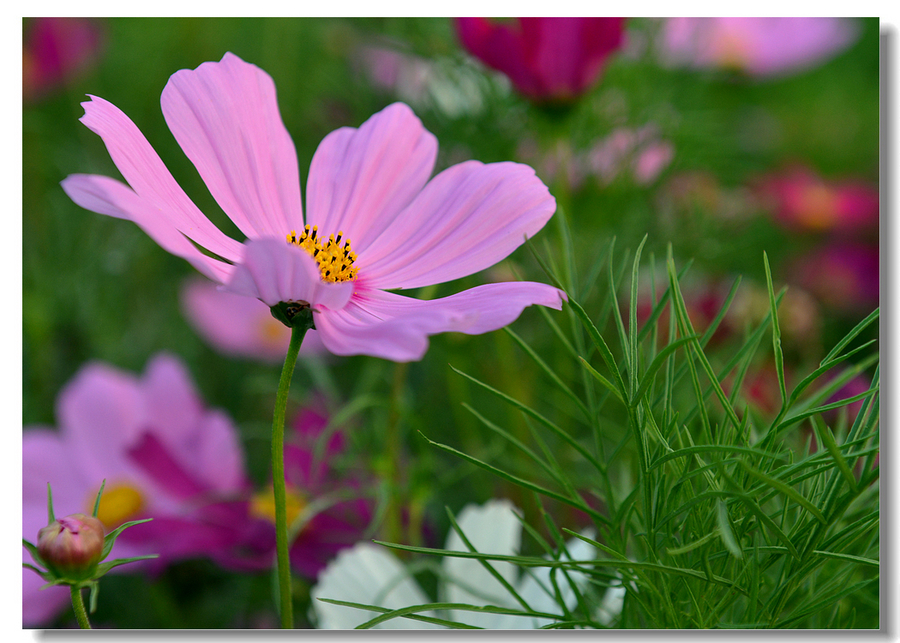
pixel 371 575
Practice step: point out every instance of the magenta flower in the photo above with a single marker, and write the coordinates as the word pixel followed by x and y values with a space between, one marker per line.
pixel 55 50
pixel 162 454
pixel 239 326
pixel 803 201
pixel 757 46
pixel 328 508
pixel 547 59
pixel 369 185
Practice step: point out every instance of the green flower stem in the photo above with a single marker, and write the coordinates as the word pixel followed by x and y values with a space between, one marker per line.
pixel 278 483
pixel 78 606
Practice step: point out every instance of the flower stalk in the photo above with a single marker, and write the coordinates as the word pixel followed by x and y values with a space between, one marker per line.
pixel 300 321
pixel 78 606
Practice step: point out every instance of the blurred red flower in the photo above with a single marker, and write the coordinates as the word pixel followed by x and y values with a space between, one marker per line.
pixel 547 59
pixel 55 50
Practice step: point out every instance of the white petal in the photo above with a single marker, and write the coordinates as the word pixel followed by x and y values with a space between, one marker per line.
pixel 492 529
pixel 366 574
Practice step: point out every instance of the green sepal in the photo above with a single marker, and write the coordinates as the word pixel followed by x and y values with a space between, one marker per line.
pixel 103 568
pixel 50 516
pixel 35 554
pixel 95 592
pixel 110 539
pixel 294 314
pixel 48 576
pixel 97 501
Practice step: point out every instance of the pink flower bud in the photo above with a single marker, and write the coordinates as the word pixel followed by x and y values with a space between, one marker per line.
pixel 72 546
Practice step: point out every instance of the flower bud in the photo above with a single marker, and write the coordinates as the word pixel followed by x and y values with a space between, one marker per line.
pixel 72 546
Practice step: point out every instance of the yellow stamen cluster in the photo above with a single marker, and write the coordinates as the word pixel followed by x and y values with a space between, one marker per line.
pixel 335 260
pixel 262 504
pixel 119 503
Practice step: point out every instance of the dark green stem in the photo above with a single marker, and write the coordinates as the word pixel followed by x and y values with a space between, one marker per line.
pixel 278 482
pixel 78 606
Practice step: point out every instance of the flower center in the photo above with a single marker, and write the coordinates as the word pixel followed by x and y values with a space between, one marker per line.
pixel 335 259
pixel 118 504
pixel 262 505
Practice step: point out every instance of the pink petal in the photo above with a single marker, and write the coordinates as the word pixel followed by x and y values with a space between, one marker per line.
pixel 225 117
pixel 469 217
pixel 394 327
pixel 149 178
pixel 275 271
pixel 107 196
pixel 169 399
pixel 99 411
pixel 360 179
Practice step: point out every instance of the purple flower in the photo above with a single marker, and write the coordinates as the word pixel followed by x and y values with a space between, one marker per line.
pixel 239 326
pixel 547 59
pixel 55 50
pixel 368 184
pixel 162 454
pixel 757 46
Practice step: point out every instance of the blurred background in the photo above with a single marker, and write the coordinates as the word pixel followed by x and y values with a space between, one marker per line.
pixel 759 141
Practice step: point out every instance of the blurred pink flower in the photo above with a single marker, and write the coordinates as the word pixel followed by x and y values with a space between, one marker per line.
pixel 638 151
pixel 368 184
pixel 162 454
pixel 240 326
pixel 757 46
pixel 804 201
pixel 166 457
pixel 55 50
pixel 547 59
pixel 843 275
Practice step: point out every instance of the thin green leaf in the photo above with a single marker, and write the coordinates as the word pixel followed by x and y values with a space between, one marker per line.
pixel 605 382
pixel 527 484
pixel 776 334
pixel 602 348
pixel 537 416
pixel 549 371
pixel 826 438
pixel 785 489
pixel 849 337
pixel 656 364
pixel 848 557
pixel 725 530
pixel 632 345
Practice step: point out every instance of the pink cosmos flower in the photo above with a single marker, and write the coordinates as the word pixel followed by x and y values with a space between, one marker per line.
pixel 804 201
pixel 757 46
pixel 162 454
pixel 369 185
pixel 56 49
pixel 239 326
pixel 547 59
